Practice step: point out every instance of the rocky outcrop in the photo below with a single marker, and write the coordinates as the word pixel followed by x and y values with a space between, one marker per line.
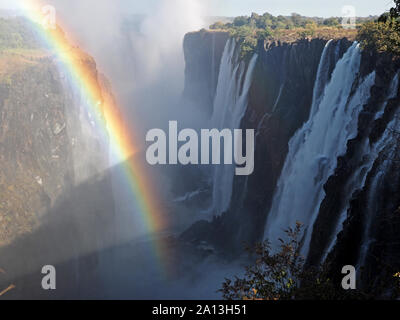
pixel 36 152
pixel 56 202
pixel 46 148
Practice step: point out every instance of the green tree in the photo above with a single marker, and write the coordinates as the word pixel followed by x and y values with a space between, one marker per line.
pixel 240 21
pixel 384 34
pixel 380 37
pixel 395 11
pixel 331 22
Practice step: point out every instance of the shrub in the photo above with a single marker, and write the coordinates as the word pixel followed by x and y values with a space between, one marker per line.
pixel 284 276
pixel 380 36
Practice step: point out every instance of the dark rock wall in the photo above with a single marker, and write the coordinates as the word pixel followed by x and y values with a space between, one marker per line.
pixel 279 103
pixel 378 202
pixel 203 52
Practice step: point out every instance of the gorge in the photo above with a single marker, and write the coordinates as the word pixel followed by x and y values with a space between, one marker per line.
pixel 325 114
pixel 324 117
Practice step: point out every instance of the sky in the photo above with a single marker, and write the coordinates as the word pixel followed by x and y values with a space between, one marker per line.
pixel 321 8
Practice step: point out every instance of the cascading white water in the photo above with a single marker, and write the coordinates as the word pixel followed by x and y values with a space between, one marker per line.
pixel 314 149
pixel 392 94
pixel 214 74
pixel 388 144
pixel 230 105
pixel 369 154
pixel 322 79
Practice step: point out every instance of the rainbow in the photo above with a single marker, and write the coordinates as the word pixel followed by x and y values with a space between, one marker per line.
pixel 108 118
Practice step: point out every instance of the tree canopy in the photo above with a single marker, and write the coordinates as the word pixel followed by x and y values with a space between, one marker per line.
pixel 248 30
pixel 382 35
pixel 16 34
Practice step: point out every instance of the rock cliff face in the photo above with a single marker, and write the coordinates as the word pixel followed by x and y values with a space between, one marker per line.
pixel 56 204
pixel 279 103
pixel 45 149
pixel 36 154
pixel 369 227
pixel 357 221
pixel 203 51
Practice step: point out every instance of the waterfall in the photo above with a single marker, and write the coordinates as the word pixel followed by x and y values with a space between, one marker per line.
pixel 230 104
pixel 387 144
pixel 392 94
pixel 368 156
pixel 314 149
pixel 213 67
pixel 322 78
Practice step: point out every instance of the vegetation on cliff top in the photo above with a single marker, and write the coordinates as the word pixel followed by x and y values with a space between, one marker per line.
pixel 382 35
pixel 377 34
pixel 249 30
pixel 16 34
pixel 19 47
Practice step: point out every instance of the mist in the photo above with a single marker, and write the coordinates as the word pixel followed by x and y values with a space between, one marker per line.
pixel 142 56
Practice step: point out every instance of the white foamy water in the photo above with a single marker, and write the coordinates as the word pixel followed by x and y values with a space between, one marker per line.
pixel 314 149
pixel 230 104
